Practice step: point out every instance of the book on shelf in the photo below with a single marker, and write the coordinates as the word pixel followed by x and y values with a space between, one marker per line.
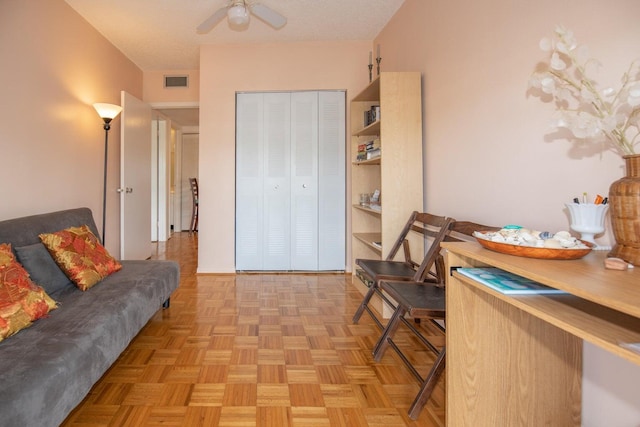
pixel 372 115
pixel 506 282
pixel 368 150
pixel 373 154
pixel 374 144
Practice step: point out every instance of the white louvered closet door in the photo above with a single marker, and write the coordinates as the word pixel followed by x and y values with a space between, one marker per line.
pixel 277 181
pixel 249 181
pixel 304 181
pixel 290 181
pixel 331 181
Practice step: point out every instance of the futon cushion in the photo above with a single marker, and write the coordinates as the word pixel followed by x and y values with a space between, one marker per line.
pixel 21 301
pixel 80 255
pixel 41 267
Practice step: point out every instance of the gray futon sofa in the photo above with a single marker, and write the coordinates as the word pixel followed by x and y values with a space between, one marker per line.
pixel 47 369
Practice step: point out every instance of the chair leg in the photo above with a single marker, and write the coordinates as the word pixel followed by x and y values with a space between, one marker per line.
pixel 364 303
pixel 428 385
pixel 193 227
pixel 387 333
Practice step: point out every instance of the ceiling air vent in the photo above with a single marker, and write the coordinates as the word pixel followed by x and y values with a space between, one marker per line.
pixel 176 81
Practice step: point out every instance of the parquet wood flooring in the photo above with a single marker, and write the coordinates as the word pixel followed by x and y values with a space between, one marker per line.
pixel 258 350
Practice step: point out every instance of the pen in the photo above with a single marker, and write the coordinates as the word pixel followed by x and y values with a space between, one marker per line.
pixel 605 200
pixel 584 197
pixel 576 200
pixel 598 200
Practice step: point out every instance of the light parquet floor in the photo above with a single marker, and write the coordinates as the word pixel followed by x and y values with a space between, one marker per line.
pixel 258 350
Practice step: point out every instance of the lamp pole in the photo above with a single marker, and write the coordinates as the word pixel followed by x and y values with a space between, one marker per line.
pixel 107 126
pixel 107 112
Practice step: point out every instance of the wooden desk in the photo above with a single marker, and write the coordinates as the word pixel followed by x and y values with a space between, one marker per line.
pixel 517 360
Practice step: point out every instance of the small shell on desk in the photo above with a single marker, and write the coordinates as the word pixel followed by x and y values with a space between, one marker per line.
pixel 553 244
pixel 497 237
pixel 568 243
pixel 562 235
pixel 545 235
pixel 527 237
pixel 615 264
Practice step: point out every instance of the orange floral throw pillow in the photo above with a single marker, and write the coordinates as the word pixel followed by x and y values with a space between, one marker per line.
pixel 80 255
pixel 21 300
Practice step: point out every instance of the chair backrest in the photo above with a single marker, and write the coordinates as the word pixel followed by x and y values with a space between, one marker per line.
pixel 460 231
pixel 194 188
pixel 433 229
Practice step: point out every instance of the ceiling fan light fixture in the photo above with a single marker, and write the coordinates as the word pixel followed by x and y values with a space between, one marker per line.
pixel 238 15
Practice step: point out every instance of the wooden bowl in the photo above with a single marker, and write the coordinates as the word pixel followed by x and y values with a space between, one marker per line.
pixel 531 252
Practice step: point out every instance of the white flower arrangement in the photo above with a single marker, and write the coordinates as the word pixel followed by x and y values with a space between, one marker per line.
pixel 589 113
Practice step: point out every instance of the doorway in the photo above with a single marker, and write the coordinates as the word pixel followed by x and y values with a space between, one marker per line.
pixel 189 169
pixel 184 120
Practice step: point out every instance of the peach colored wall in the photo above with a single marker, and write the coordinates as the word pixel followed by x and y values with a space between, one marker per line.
pixel 154 90
pixel 488 154
pixel 55 66
pixel 483 135
pixel 227 69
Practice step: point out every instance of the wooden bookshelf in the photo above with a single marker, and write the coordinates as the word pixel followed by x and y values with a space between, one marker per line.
pixel 397 173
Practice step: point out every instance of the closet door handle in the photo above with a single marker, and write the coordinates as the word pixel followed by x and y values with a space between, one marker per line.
pixel 304 185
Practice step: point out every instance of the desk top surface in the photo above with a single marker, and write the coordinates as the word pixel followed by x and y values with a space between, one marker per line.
pixel 585 277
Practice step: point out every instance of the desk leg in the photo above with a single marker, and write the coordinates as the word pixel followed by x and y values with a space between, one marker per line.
pixel 506 367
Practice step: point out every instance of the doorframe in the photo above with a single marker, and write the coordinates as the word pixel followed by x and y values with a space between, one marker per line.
pixel 176 198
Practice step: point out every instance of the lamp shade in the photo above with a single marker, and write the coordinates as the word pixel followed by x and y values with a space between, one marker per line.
pixel 238 14
pixel 107 112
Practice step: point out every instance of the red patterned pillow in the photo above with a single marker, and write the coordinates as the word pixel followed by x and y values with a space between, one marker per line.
pixel 80 255
pixel 21 300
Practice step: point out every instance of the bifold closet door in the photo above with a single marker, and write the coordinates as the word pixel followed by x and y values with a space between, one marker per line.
pixel 277 181
pixel 290 181
pixel 331 180
pixel 304 181
pixel 249 180
pixel 263 181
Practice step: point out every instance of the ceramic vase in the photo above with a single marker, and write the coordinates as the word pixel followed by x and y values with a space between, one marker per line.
pixel 624 199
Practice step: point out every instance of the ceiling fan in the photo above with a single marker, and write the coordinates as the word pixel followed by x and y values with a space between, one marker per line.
pixel 238 11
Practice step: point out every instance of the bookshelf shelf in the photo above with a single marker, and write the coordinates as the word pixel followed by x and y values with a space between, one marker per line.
pixel 374 161
pixel 368 209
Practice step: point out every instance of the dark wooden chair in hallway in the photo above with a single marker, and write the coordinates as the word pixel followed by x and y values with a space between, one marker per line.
pixel 193 227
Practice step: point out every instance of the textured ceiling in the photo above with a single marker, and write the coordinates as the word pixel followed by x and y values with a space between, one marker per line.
pixel 160 34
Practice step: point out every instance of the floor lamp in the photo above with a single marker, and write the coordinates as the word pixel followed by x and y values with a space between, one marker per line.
pixel 107 112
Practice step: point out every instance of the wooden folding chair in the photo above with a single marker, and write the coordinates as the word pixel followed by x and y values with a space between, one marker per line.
pixel 193 226
pixel 433 229
pixel 421 300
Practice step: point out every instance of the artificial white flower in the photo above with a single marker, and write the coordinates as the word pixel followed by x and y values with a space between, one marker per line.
pixel 634 95
pixel 557 63
pixel 548 85
pixel 546 44
pixel 589 113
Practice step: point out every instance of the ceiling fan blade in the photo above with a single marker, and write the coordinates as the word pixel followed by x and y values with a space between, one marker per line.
pixel 212 21
pixel 268 15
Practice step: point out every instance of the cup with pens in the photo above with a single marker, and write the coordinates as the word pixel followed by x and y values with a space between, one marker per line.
pixel 588 218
